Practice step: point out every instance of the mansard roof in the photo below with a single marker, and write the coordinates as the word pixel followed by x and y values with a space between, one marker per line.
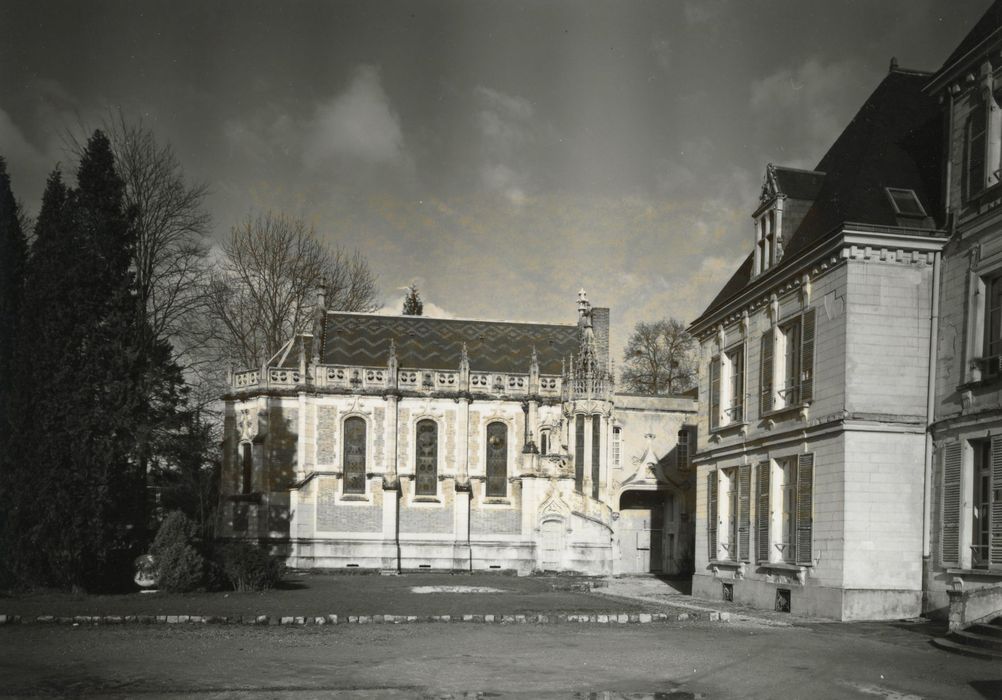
pixel 895 140
pixel 989 24
pixel 436 343
pixel 796 183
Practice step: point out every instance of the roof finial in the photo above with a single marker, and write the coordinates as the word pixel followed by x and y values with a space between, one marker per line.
pixel 894 64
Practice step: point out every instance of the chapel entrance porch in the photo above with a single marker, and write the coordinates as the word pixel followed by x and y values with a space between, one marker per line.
pixel 648 533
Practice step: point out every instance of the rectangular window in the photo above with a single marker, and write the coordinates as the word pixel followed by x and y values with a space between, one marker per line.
pixel 795 356
pixel 978 482
pixel 993 323
pixel 730 502
pixel 617 436
pixel 714 393
pixel 905 202
pixel 790 393
pixel 767 400
pixel 736 382
pixel 596 454
pixel 711 515
pixel 682 450
pixel 786 533
pixel 787 488
pixel 734 504
pixel 579 452
pixel 981 514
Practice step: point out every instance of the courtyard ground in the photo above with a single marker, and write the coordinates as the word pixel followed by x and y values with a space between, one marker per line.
pixel 441 660
pixel 755 655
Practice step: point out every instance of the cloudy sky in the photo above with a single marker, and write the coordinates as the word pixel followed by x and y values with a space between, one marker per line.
pixel 499 154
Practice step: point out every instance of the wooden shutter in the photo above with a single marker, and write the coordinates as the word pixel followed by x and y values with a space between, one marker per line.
pixel 744 513
pixel 951 507
pixel 976 124
pixel 995 507
pixel 765 383
pixel 714 392
pixel 711 515
pixel 762 514
pixel 805 508
pixel 807 356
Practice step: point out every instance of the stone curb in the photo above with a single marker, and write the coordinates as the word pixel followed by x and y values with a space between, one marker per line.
pixel 610 618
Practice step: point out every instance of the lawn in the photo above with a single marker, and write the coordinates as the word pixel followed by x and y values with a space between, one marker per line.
pixel 311 594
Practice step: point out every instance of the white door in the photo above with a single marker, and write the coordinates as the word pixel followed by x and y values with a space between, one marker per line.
pixel 553 544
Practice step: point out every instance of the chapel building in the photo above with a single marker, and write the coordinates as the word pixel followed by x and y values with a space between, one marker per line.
pixel 412 443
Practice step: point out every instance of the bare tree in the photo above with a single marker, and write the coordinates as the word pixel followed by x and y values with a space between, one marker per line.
pixel 660 358
pixel 172 227
pixel 265 289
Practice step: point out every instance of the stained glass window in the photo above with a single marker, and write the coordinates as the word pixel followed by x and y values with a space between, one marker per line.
pixel 354 455
pixel 426 459
pixel 497 460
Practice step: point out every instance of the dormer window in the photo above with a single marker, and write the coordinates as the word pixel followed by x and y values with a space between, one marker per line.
pixel 767 241
pixel 905 202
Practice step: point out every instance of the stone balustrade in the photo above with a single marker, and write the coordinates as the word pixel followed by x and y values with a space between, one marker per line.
pixel 350 378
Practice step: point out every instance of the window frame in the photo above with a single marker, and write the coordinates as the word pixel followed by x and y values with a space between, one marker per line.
pixel 434 478
pixel 345 490
pixel 617 447
pixel 488 477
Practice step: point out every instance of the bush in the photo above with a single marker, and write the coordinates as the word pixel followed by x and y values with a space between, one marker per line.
pixel 250 568
pixel 179 565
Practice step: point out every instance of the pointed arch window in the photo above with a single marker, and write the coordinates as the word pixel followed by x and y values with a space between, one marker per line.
pixel 497 460
pixel 354 455
pixel 426 459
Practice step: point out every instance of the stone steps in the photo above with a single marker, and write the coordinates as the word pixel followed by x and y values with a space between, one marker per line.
pixel 983 640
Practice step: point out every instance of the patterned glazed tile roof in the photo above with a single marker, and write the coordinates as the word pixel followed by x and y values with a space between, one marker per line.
pixel 436 343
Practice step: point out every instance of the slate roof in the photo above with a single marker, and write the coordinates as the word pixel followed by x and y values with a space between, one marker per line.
pixel 436 343
pixel 895 140
pixel 989 24
pixel 798 184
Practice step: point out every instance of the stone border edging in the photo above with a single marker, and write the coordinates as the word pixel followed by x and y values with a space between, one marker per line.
pixel 317 620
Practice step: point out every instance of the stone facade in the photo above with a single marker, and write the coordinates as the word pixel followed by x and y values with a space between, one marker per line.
pixel 466 460
pixel 963 547
pixel 902 425
pixel 814 386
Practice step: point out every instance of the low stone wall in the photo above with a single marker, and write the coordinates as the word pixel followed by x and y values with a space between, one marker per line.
pixel 968 607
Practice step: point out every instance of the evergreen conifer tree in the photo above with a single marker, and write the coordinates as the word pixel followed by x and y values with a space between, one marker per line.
pixel 13 255
pixel 83 398
pixel 413 306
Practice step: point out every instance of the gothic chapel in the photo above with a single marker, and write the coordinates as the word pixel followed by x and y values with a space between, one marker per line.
pixel 413 443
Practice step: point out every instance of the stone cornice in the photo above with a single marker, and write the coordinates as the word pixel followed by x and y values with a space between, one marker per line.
pixel 852 242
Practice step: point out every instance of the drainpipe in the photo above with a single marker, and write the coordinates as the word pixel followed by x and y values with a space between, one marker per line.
pixel 933 341
pixel 930 411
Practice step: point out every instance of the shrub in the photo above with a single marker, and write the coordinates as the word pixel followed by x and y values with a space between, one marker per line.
pixel 250 568
pixel 179 565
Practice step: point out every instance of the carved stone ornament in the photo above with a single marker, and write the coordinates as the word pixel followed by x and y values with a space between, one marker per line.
pixel 247 424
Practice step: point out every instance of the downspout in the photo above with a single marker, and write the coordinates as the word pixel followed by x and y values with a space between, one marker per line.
pixel 930 414
pixel 933 342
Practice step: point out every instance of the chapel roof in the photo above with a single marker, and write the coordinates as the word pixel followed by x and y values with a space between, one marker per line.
pixel 895 141
pixel 436 343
